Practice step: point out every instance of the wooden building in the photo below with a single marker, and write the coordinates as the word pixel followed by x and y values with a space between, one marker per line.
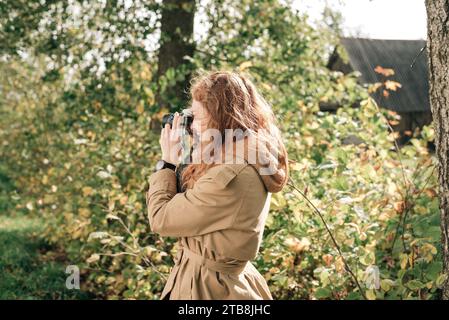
pixel 411 101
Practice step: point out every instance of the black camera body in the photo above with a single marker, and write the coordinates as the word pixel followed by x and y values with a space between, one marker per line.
pixel 186 126
pixel 186 120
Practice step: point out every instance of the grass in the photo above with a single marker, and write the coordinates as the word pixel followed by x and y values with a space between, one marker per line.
pixel 29 269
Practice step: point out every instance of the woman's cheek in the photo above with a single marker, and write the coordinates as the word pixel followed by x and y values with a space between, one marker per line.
pixel 195 127
pixel 199 126
pixel 204 126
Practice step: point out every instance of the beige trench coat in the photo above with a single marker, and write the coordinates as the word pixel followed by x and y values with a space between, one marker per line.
pixel 219 223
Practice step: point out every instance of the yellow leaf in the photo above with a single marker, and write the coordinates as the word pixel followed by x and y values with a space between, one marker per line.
pixel 266 86
pixel 245 65
pixel 150 99
pixel 93 258
pixel 375 87
pixel 296 245
pixel 404 260
pixel 123 200
pixel 327 258
pixel 84 212
pixel 431 193
pixel 149 251
pixel 394 122
pixel 29 206
pixel 392 85
pixel 309 140
pixel 140 107
pixel 111 205
pixel 368 259
pixel 385 284
pixel 394 135
pixel 87 191
pixel 370 294
pixel 339 264
pixel 145 74
pixel 394 114
pixel 384 71
pixel 399 206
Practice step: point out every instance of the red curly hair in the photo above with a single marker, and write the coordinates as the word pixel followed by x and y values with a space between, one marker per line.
pixel 233 102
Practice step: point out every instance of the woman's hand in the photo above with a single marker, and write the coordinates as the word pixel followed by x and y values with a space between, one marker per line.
pixel 170 141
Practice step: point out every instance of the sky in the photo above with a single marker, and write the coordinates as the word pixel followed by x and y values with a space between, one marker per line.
pixel 378 19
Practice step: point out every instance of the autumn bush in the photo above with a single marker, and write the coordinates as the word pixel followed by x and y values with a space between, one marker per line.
pixel 358 220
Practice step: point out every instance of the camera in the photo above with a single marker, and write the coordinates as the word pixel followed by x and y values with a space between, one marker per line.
pixel 186 120
pixel 187 133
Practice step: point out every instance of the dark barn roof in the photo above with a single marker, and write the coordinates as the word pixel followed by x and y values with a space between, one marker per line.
pixel 366 54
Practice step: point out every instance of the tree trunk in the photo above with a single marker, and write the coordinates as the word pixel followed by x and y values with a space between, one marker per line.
pixel 176 42
pixel 438 49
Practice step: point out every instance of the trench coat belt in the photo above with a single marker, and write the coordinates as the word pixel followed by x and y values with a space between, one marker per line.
pixel 234 268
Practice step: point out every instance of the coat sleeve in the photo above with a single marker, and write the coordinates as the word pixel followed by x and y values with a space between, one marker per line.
pixel 211 205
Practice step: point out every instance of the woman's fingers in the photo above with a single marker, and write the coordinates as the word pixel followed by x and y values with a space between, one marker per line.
pixel 162 135
pixel 176 126
pixel 173 127
pixel 170 137
pixel 167 129
pixel 165 132
pixel 175 120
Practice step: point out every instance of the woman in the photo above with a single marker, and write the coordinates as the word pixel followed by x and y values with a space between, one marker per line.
pixel 220 217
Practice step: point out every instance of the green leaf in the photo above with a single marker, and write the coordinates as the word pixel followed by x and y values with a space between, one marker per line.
pixel 371 294
pixel 415 285
pixel 441 279
pixel 368 259
pixel 386 284
pixel 322 293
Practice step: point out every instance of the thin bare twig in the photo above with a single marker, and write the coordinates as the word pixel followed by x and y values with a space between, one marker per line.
pixel 318 212
pixel 417 56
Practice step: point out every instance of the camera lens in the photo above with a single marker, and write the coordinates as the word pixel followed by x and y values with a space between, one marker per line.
pixel 167 118
pixel 186 121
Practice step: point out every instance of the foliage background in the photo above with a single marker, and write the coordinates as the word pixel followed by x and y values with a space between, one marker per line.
pixel 77 119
